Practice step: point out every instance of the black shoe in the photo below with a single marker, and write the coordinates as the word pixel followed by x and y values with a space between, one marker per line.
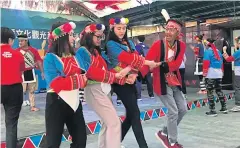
pixel 212 113
pixel 151 96
pixel 224 110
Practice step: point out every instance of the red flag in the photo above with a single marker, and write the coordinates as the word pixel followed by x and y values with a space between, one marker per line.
pixel 107 3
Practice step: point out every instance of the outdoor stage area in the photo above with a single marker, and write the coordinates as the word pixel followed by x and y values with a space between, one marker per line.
pixel 31 126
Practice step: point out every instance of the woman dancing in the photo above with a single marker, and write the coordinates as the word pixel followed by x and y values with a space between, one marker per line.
pixel 64 76
pixel 121 53
pixel 98 87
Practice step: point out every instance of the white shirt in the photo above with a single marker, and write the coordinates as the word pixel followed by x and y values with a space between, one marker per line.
pixel 214 73
pixel 183 62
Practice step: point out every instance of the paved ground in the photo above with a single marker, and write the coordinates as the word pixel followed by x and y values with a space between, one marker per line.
pixel 195 131
pixel 34 122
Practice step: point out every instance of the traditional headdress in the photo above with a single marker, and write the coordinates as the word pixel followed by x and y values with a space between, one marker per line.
pixel 171 23
pixel 22 37
pixel 62 30
pixel 92 28
pixel 114 21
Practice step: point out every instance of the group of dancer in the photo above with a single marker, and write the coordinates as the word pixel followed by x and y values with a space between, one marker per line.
pixel 89 68
pixel 93 70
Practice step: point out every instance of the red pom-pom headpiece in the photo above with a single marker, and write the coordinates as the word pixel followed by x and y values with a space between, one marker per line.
pixel 114 21
pixel 93 28
pixel 62 30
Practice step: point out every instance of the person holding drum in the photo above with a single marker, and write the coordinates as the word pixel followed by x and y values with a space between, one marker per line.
pixel 32 59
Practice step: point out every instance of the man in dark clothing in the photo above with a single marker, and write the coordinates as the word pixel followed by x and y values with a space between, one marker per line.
pixel 142 50
pixel 11 84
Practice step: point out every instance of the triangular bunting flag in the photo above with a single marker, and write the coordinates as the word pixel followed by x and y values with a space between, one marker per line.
pixel 225 97
pixel 63 138
pixel 161 114
pixel 157 111
pixel 187 83
pixel 201 102
pixel 36 140
pixel 204 104
pixel 28 144
pixel 154 115
pixel 189 105
pixel 69 138
pixel 215 98
pixel 43 141
pixel 122 118
pixel 165 110
pixel 65 133
pixel 92 126
pixel 194 82
pixel 195 102
pixel 205 100
pixel 98 128
pixel 21 142
pixel 150 112
pixel 198 104
pixel 193 106
pixel 230 96
pixel 146 117
pixel 87 130
pixel 3 145
pixel 142 115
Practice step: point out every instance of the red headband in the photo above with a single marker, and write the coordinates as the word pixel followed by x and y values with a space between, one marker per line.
pixel 173 24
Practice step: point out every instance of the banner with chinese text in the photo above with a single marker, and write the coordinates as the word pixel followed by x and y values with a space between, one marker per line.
pixel 37 25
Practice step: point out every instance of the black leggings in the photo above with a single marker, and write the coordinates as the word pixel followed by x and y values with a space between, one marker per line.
pixel 182 72
pixel 127 93
pixel 56 115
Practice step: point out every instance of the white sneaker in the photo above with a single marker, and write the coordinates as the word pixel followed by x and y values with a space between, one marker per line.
pixel 235 109
pixel 123 146
pixel 24 103
pixel 28 103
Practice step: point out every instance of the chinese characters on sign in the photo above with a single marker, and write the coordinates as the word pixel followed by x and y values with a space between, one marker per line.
pixel 32 34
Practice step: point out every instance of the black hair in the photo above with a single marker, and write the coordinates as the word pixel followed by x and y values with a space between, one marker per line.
pixel 200 36
pixel 6 34
pixel 112 36
pixel 210 41
pixel 60 45
pixel 28 42
pixel 176 21
pixel 87 41
pixel 141 38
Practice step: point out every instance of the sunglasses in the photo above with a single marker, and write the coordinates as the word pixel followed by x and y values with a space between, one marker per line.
pixel 100 37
